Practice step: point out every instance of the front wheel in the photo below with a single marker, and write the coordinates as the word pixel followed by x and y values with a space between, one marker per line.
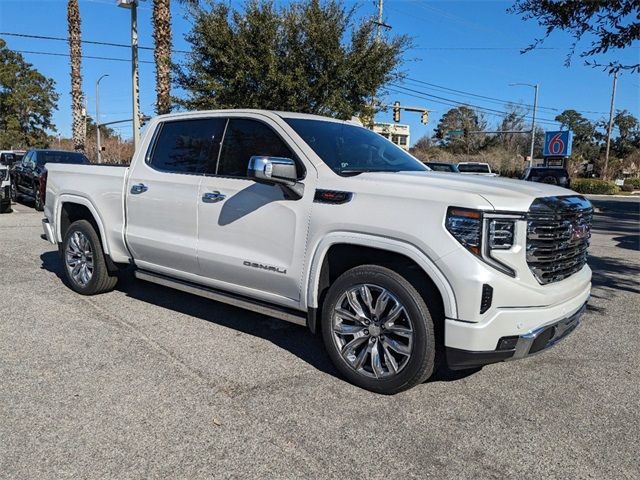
pixel 378 330
pixel 85 267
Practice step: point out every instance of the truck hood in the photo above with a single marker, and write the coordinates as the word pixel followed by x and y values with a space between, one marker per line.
pixel 504 194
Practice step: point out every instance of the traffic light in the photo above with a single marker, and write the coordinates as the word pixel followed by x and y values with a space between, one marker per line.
pixel 425 117
pixel 396 112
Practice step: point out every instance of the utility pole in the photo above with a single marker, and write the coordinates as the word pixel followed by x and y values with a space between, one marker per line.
pixel 536 87
pixel 605 173
pixel 98 143
pixel 133 6
pixel 379 26
pixel 379 22
pixel 533 125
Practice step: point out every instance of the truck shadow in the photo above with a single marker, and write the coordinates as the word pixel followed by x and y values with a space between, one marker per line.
pixel 293 338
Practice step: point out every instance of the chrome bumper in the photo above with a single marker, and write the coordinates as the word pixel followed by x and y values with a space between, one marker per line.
pixel 515 347
pixel 547 336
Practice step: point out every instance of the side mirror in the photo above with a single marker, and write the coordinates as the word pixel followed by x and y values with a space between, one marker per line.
pixel 276 171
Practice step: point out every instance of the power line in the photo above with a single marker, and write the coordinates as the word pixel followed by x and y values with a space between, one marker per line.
pixel 92 42
pixel 455 103
pixel 469 94
pixel 54 54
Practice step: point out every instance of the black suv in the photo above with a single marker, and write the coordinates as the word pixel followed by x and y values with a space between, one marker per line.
pixel 28 175
pixel 551 175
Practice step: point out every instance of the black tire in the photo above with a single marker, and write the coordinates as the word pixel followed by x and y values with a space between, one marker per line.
pixel 101 281
pixel 37 203
pixel 5 207
pixel 420 363
pixel 14 194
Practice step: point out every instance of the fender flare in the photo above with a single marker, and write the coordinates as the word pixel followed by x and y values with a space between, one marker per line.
pixel 68 198
pixel 381 243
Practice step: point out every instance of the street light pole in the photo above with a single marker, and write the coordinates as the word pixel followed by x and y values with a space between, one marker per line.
pixel 133 6
pixel 605 173
pixel 98 144
pixel 533 118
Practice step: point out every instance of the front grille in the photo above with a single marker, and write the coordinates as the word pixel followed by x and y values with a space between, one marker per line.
pixel 558 233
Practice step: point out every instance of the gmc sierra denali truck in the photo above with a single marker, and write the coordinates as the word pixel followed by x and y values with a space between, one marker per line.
pixel 326 224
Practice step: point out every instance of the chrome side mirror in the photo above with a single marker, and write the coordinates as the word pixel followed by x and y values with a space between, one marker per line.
pixel 276 171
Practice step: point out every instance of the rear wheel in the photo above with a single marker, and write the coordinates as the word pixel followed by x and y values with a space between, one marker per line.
pixel 85 267
pixel 377 330
pixel 5 207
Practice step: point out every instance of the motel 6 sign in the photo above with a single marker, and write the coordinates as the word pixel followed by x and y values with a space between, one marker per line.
pixel 558 144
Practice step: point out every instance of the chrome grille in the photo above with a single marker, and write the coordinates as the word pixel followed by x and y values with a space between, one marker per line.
pixel 558 233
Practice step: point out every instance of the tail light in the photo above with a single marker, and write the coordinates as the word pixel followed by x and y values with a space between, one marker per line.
pixel 43 186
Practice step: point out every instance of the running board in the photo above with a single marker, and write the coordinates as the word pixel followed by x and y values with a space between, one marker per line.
pixel 283 313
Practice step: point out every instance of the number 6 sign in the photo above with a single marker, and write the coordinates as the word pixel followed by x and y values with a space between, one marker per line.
pixel 558 144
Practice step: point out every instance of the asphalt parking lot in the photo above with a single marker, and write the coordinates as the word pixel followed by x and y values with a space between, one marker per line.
pixel 147 382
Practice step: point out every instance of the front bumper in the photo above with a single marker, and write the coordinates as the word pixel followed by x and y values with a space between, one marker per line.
pixel 515 347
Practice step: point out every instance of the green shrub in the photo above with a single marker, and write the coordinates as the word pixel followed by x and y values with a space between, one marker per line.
pixel 634 182
pixel 627 187
pixel 593 185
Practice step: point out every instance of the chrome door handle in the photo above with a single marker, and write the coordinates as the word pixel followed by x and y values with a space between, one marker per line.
pixel 213 197
pixel 139 188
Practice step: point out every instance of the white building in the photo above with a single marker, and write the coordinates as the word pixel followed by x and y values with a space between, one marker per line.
pixel 398 134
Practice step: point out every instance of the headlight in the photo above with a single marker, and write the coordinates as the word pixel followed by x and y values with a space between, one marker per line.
pixel 501 234
pixel 466 226
pixel 483 232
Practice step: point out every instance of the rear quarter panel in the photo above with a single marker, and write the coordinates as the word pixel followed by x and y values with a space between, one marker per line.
pixel 99 188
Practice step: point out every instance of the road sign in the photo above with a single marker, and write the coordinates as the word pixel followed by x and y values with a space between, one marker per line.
pixel 455 133
pixel 558 144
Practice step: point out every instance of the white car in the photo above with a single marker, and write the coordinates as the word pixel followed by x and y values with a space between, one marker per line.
pixel 5 189
pixel 327 224
pixel 476 168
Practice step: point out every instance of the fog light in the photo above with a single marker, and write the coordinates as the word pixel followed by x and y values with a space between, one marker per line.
pixel 487 298
pixel 507 343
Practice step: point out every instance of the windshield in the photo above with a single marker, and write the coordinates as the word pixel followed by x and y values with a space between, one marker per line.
pixel 351 149
pixel 61 157
pixel 473 168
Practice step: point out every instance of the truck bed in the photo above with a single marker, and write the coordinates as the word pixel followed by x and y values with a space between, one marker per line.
pixel 100 188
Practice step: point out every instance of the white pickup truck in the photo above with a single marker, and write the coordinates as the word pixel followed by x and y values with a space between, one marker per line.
pixel 326 224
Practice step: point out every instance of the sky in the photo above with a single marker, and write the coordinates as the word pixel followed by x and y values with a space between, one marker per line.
pixel 460 48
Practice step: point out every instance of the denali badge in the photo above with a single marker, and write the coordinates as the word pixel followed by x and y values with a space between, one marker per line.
pixel 268 268
pixel 578 232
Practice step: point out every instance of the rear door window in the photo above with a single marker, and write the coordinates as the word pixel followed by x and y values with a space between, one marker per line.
pixel 188 146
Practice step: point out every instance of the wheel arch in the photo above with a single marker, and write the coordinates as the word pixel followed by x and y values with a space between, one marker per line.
pixel 71 208
pixel 390 250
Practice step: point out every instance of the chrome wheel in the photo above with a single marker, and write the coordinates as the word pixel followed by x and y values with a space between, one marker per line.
pixel 372 331
pixel 79 258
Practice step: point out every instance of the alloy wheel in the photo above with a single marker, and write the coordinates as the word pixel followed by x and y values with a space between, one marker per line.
pixel 372 331
pixel 79 258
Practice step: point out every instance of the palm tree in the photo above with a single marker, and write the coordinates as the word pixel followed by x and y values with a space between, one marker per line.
pixel 75 50
pixel 162 54
pixel 162 51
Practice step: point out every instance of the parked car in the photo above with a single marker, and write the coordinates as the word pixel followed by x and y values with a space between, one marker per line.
pixel 5 189
pixel 10 157
pixel 550 175
pixel 475 168
pixel 28 175
pixel 442 167
pixel 326 224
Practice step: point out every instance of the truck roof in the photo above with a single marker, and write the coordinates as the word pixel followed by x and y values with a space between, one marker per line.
pixel 278 113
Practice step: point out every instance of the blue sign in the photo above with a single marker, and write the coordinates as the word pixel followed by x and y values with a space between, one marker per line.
pixel 558 144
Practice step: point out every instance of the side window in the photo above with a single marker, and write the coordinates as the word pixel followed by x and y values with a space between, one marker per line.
pixel 26 161
pixel 245 138
pixel 188 146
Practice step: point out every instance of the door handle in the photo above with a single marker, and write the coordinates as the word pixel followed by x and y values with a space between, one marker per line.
pixel 213 197
pixel 139 188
